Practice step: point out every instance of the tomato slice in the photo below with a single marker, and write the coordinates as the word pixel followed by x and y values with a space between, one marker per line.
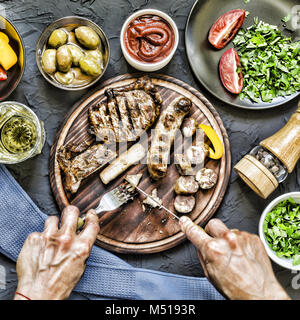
pixel 3 74
pixel 225 28
pixel 231 71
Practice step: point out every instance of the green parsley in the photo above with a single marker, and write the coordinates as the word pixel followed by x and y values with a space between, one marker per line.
pixel 270 62
pixel 286 19
pixel 282 230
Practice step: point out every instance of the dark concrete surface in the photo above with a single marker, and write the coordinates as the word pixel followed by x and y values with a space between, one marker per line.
pixel 241 208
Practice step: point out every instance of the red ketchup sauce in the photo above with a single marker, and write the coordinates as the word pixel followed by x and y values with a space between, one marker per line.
pixel 149 38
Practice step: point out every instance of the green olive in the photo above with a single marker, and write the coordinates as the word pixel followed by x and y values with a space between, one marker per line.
pixel 49 60
pixel 64 78
pixel 87 37
pixel 90 66
pixel 80 77
pixel 72 38
pixel 76 54
pixel 64 58
pixel 97 55
pixel 57 38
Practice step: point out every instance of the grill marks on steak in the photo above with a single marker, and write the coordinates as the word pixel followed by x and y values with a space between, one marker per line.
pixel 126 113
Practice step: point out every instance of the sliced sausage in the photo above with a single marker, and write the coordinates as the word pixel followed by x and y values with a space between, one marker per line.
pixel 184 204
pixel 186 185
pixel 207 178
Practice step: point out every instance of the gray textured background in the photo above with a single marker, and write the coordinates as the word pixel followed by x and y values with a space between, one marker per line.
pixel 241 208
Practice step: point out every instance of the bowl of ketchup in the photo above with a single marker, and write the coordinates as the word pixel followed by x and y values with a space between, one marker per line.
pixel 149 39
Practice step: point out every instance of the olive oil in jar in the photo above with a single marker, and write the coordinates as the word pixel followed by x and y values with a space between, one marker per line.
pixel 21 133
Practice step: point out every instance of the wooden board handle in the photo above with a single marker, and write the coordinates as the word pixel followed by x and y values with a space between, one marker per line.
pixel 285 144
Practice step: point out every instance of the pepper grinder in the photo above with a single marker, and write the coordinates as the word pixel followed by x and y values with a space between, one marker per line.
pixel 269 164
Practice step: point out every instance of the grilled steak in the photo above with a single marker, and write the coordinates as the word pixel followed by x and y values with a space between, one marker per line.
pixel 126 113
pixel 78 163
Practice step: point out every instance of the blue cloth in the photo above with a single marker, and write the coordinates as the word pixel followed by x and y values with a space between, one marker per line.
pixel 106 275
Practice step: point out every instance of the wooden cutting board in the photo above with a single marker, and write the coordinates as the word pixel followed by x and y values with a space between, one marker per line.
pixel 130 229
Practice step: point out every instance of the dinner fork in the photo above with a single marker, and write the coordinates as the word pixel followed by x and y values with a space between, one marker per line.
pixel 111 201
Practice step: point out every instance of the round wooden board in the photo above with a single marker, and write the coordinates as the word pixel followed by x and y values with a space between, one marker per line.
pixel 130 229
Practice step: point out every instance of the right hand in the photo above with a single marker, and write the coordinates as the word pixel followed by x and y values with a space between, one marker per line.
pixel 235 262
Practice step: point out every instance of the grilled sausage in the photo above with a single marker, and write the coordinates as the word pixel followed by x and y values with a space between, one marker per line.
pixel 183 165
pixel 189 127
pixel 168 123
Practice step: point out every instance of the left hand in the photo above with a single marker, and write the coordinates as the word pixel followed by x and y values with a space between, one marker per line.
pixel 52 262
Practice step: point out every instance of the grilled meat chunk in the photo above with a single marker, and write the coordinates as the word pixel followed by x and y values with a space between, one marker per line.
pixel 78 164
pixel 126 113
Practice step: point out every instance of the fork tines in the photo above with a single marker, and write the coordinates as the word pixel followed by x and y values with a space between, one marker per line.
pixel 125 192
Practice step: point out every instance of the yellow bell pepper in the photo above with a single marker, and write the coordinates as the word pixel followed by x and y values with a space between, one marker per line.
pixel 4 37
pixel 217 152
pixel 8 57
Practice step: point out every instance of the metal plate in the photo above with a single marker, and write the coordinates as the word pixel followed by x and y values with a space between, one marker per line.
pixel 204 59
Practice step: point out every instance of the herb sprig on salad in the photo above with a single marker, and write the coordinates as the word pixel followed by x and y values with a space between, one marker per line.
pixel 282 230
pixel 270 62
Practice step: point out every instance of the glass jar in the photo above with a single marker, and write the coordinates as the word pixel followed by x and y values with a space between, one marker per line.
pixel 22 134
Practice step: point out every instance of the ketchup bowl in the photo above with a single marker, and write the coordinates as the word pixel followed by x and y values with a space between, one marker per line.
pixel 149 39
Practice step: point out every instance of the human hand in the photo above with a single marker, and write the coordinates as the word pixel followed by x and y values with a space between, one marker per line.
pixel 234 261
pixel 52 262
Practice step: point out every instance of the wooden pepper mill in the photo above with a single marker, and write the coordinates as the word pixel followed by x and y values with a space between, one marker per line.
pixel 282 149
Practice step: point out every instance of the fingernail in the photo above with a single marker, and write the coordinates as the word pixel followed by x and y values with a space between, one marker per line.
pixel 93 212
pixel 183 220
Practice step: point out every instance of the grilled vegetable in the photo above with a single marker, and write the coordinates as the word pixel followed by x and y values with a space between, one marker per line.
pixel 217 153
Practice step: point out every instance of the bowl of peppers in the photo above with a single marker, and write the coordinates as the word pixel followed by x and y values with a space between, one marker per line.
pixel 12 58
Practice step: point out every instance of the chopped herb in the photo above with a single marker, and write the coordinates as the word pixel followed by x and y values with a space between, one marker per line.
pixel 286 18
pixel 282 230
pixel 270 62
pixel 246 1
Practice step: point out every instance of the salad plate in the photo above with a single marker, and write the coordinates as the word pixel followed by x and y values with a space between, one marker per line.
pixel 204 58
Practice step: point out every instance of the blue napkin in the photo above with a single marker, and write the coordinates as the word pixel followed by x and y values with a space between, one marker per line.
pixel 106 275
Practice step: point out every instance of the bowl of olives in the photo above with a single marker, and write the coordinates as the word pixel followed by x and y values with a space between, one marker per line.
pixel 72 53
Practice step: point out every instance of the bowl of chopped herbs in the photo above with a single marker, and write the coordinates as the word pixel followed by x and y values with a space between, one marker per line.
pixel 279 230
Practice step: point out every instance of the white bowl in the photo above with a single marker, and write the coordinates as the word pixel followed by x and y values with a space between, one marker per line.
pixel 149 67
pixel 283 262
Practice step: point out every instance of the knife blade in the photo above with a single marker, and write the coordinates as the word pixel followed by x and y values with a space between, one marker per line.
pixel 159 204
